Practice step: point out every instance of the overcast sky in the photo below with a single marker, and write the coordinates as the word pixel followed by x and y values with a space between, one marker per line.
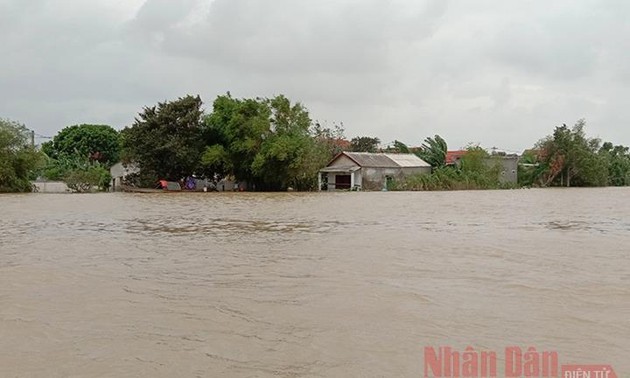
pixel 496 72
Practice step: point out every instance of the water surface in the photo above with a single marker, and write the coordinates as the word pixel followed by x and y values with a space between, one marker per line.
pixel 308 285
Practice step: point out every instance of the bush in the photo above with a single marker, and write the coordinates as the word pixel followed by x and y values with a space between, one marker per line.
pixel 86 180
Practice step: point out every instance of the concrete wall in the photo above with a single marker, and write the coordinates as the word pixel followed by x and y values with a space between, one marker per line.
pixel 343 161
pixel 508 168
pixel 51 187
pixel 375 178
pixel 118 172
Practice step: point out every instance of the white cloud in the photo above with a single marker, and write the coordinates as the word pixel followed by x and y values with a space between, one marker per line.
pixel 495 72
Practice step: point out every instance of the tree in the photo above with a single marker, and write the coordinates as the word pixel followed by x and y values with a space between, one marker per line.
pixel 570 158
pixel 166 141
pixel 618 161
pixel 270 143
pixel 330 139
pixel 95 142
pixel 433 151
pixel 83 180
pixel 401 147
pixel 284 157
pixel 364 144
pixel 18 158
pixel 234 133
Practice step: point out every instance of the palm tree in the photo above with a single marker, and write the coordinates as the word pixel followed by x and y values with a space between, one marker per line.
pixel 433 151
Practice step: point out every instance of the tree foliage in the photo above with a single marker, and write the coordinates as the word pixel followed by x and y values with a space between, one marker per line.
pixel 85 179
pixel 617 159
pixel 166 141
pixel 269 143
pixel 569 158
pixel 94 142
pixel 17 157
pixel 433 151
pixel 364 144
pixel 476 171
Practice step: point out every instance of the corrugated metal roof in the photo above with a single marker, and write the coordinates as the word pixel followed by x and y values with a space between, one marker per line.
pixel 408 160
pixel 380 160
pixel 367 159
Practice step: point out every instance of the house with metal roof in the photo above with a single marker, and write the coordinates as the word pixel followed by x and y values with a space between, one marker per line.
pixel 368 171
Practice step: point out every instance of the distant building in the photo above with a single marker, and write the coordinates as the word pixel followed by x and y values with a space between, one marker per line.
pixel 453 157
pixel 508 172
pixel 45 186
pixel 368 171
pixel 118 172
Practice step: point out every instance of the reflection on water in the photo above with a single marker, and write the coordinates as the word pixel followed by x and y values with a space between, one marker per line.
pixel 308 285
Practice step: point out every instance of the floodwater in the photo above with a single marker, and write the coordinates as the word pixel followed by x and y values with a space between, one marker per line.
pixel 308 285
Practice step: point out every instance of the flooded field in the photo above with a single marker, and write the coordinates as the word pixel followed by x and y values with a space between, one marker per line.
pixel 308 285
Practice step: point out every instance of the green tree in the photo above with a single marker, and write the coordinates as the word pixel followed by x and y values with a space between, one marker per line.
pixel 433 151
pixel 234 133
pixel 95 142
pixel 570 158
pixel 401 147
pixel 364 144
pixel 83 180
pixel 618 161
pixel 18 158
pixel 283 159
pixel 330 139
pixel 270 143
pixel 166 141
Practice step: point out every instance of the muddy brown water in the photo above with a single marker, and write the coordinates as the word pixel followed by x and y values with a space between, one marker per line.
pixel 308 285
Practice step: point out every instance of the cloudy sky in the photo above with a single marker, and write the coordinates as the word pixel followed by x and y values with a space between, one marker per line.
pixel 497 72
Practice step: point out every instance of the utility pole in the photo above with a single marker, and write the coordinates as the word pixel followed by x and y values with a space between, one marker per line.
pixel 33 138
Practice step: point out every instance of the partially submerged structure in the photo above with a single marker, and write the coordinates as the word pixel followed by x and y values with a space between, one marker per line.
pixel 368 171
pixel 119 173
pixel 507 164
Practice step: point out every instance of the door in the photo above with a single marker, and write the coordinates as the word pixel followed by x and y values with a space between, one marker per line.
pixel 342 182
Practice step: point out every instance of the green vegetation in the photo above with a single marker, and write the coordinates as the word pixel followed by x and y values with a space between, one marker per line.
pixel 272 144
pixel 166 141
pixel 569 158
pixel 18 158
pixel 81 155
pixel 364 144
pixel 94 142
pixel 473 172
pixel 433 151
pixel 269 143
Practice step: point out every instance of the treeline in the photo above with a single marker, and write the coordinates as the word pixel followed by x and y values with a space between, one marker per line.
pixel 568 157
pixel 273 144
pixel 270 143
pixel 18 157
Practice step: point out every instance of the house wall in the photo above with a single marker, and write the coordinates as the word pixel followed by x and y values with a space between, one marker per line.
pixel 508 173
pixel 118 172
pixel 343 161
pixel 374 178
pixel 51 187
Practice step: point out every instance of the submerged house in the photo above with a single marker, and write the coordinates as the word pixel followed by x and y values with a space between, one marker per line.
pixel 119 172
pixel 507 164
pixel 368 171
